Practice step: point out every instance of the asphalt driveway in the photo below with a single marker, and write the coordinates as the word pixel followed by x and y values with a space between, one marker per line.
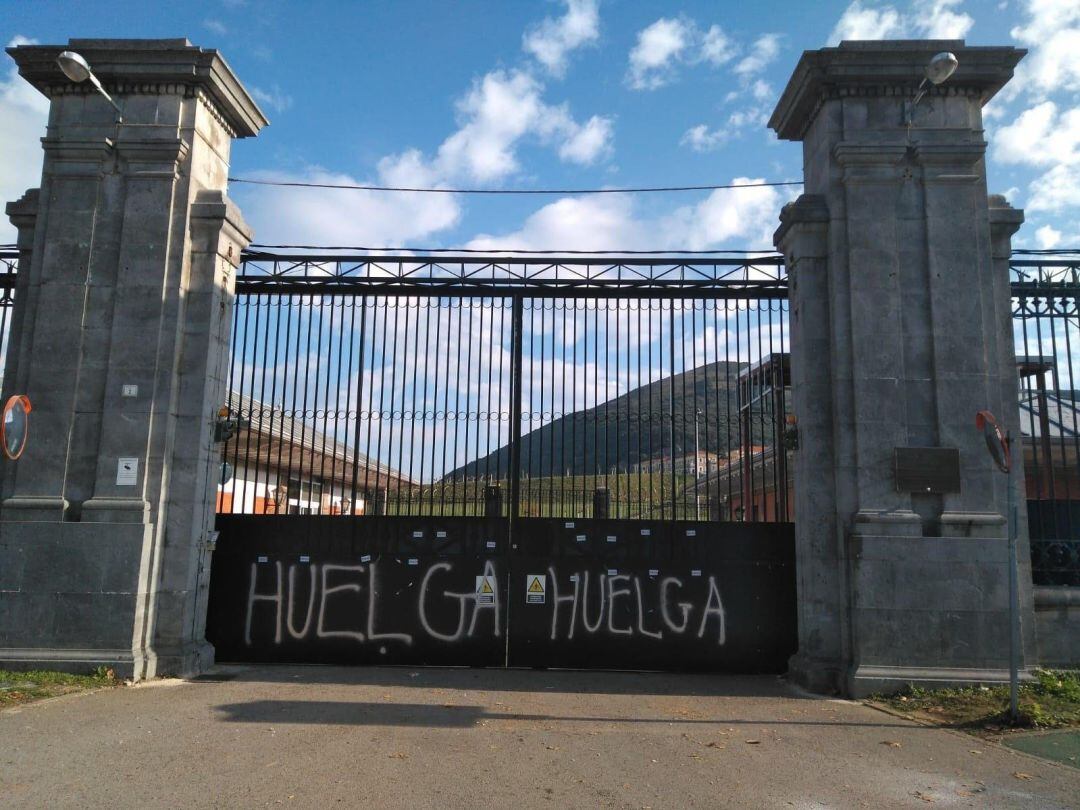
pixel 450 738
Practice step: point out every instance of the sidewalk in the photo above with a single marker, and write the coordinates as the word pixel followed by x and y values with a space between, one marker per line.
pixel 315 736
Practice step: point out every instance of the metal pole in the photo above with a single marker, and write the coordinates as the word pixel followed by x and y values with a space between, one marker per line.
pixel 1014 613
pixel 517 313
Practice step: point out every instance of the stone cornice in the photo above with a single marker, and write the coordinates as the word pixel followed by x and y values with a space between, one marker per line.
pixel 135 66
pixel 884 68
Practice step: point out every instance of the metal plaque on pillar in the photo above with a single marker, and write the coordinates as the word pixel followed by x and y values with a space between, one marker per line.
pixel 934 470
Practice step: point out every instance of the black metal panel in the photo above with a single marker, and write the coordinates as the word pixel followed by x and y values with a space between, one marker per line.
pixel 628 594
pixel 310 589
pixel 400 590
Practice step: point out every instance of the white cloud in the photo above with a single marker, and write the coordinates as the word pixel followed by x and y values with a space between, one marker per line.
pixel 274 98
pixel 764 50
pixel 1052 31
pixel 702 139
pixel 552 40
pixel 23 115
pixel 1056 190
pixel 658 48
pixel 1040 137
pixel 497 113
pixel 929 19
pixel 589 142
pixel 863 22
pixel 347 217
pixel 1047 238
pixel 610 222
pixel 215 27
pixel 717 47
pixel 671 42
pixel 936 19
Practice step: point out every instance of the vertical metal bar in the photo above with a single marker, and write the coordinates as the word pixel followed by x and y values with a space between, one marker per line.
pixel 515 412
pixel 671 399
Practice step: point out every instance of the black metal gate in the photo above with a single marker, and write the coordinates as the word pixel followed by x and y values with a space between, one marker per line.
pixel 525 462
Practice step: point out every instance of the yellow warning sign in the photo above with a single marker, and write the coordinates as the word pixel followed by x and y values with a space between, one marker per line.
pixel 485 590
pixel 536 590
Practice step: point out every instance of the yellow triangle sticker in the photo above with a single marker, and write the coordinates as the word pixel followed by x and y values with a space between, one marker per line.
pixel 486 587
pixel 536 587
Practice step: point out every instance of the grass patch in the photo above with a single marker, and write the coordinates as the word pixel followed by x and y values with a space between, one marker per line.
pixel 17 688
pixel 1051 700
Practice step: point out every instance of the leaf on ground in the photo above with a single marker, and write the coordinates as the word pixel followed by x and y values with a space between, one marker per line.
pixel 924 796
pixel 753 742
pixel 1022 775
pixel 891 743
pixel 399 755
pixel 716 745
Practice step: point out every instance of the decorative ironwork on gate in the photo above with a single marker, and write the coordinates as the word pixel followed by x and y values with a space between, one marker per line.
pixel 1047 333
pixel 632 388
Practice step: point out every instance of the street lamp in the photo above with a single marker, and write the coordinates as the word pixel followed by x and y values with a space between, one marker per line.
pixel 941 67
pixel 77 69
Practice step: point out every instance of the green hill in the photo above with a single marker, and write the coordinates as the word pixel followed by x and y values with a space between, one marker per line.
pixel 630 428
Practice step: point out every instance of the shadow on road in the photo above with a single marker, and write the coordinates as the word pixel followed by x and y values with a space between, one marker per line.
pixel 336 712
pixel 594 682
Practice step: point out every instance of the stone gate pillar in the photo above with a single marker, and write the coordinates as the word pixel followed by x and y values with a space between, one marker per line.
pixel 120 340
pixel 900 331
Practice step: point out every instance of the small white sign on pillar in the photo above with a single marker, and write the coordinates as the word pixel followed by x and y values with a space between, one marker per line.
pixel 127 472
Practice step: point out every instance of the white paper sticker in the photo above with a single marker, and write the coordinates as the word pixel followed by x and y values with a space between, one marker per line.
pixel 570 524
pixel 612 572
pixel 611 538
pixel 535 589
pixel 654 572
pixel 413 561
pixel 573 577
pixel 417 535
pixel 646 532
pixel 581 538
pixel 440 535
pixel 261 559
pixel 491 544
pixel 485 590
pixel 691 532
pixel 127 472
pixel 305 558
pixel 695 572
pixel 365 558
pixel 129 391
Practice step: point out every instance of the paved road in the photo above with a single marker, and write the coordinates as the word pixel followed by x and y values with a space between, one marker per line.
pixel 318 736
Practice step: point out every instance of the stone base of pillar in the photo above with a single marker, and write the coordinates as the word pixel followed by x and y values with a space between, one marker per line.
pixel 73 597
pixel 184 661
pixel 34 508
pixel 820 676
pixel 877 680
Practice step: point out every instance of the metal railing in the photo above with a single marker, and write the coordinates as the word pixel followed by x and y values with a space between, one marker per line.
pixel 559 387
pixel 1046 320
pixel 9 262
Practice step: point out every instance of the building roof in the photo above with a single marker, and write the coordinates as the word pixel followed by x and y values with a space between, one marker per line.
pixel 275 438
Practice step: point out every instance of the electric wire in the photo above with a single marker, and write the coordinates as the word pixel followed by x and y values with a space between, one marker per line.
pixel 417 190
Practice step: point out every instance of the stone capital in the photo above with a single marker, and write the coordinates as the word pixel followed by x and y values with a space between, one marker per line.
pixel 218 227
pixel 1004 222
pixel 23 214
pixel 148 67
pixel 804 229
pixel 884 69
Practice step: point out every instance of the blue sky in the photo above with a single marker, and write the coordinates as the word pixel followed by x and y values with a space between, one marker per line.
pixel 549 94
